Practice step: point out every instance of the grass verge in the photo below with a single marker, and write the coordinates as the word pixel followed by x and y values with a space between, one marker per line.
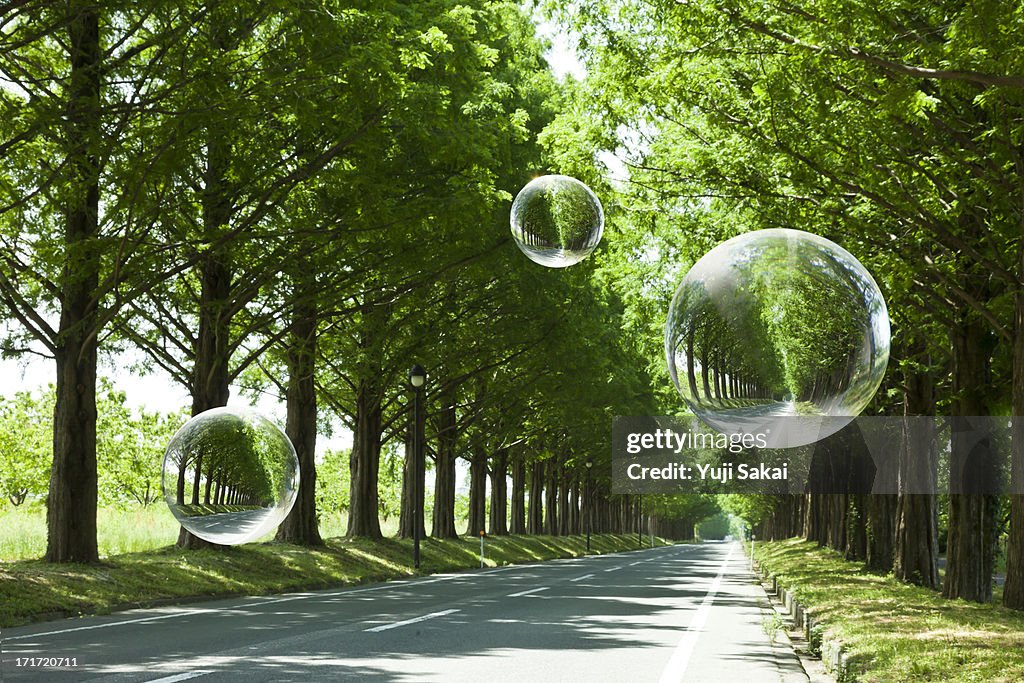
pixel 892 631
pixel 31 590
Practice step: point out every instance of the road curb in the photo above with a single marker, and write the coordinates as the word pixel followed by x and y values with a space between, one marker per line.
pixel 830 650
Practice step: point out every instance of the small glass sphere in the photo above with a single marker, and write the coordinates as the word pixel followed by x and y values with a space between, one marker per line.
pixel 230 475
pixel 557 221
pixel 775 324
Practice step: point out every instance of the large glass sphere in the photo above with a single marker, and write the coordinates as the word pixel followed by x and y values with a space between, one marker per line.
pixel 230 475
pixel 557 220
pixel 773 325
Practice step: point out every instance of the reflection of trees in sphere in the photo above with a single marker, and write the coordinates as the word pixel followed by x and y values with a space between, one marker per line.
pixel 557 220
pixel 774 324
pixel 230 475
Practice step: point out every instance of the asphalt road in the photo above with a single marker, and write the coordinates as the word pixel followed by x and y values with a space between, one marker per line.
pixel 231 526
pixel 679 613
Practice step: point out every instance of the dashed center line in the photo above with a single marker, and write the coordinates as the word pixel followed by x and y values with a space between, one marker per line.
pixel 580 578
pixel 532 590
pixel 432 615
pixel 612 569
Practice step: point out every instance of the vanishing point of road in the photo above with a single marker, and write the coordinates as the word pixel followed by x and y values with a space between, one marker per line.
pixel 668 614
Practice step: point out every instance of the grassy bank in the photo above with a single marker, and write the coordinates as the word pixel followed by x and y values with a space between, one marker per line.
pixel 31 590
pixel 896 632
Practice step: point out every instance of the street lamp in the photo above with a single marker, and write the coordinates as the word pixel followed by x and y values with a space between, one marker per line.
pixel 587 494
pixel 417 379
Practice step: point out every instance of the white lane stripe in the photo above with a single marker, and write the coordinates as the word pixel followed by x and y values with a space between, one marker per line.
pixel 114 623
pixel 532 590
pixel 180 677
pixel 612 569
pixel 676 667
pixel 432 615
pixel 580 578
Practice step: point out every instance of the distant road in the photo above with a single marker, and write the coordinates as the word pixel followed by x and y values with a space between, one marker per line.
pixel 679 613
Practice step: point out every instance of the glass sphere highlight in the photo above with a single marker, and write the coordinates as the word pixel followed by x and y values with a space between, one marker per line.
pixel 557 221
pixel 230 475
pixel 773 325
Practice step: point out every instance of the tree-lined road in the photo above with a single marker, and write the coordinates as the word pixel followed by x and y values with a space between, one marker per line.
pixel 680 613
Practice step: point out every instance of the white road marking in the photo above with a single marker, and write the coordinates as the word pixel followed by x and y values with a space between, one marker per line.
pixel 432 615
pixel 180 677
pixel 114 623
pixel 522 593
pixel 580 578
pixel 676 667
pixel 612 569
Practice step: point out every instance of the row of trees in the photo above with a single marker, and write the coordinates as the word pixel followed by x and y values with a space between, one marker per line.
pixel 894 130
pixel 303 200
pixel 131 444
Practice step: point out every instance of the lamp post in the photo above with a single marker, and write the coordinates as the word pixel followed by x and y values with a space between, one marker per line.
pixel 417 379
pixel 587 495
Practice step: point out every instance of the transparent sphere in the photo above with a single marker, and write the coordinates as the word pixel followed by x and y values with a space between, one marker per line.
pixel 557 220
pixel 776 325
pixel 230 475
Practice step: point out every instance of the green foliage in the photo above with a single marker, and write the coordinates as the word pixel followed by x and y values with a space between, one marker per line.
pixel 332 482
pixel 26 438
pixel 714 528
pixel 130 447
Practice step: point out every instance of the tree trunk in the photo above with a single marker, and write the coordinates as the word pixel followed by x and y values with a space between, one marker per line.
pixel 1013 591
pixel 881 531
pixel 838 506
pixel 499 494
pixel 477 492
pixel 406 515
pixel 551 500
pixel 518 497
pixel 300 526
pixel 564 518
pixel 857 529
pixel 71 503
pixel 574 507
pixel 917 542
pixel 210 373
pixel 444 468
pixel 535 519
pixel 364 463
pixel 970 548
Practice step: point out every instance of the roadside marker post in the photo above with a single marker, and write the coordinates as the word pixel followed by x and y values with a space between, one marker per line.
pixel 482 534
